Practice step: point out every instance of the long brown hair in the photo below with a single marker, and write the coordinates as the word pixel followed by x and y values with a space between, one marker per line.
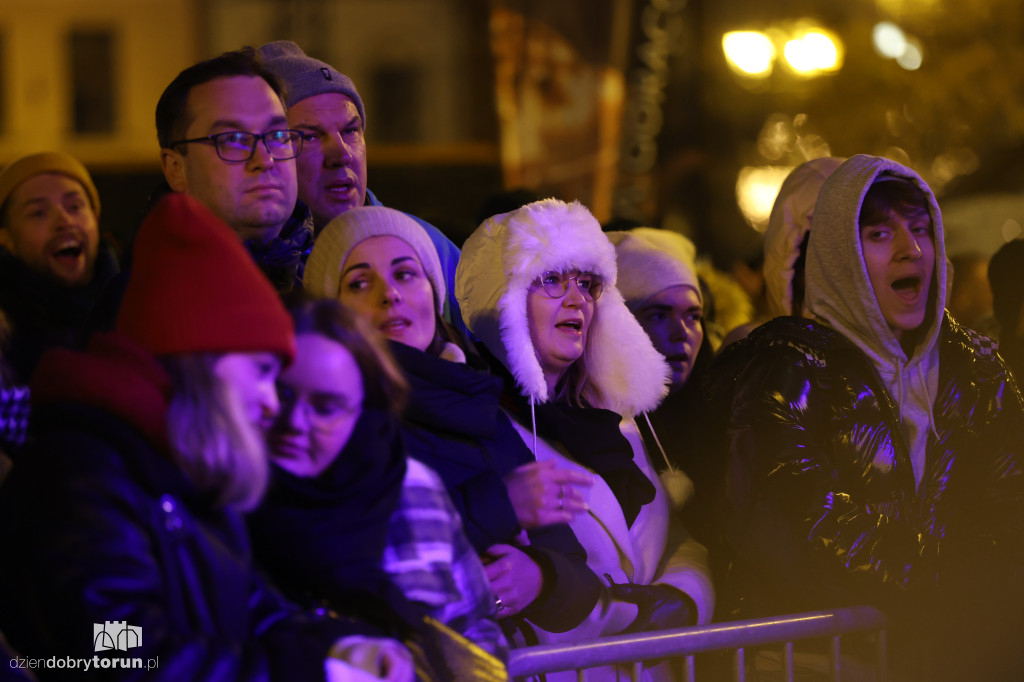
pixel 211 438
pixel 384 385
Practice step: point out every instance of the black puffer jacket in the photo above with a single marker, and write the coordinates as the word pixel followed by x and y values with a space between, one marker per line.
pixel 820 502
pixel 108 528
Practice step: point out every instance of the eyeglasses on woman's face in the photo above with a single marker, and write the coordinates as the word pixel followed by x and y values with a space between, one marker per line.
pixel 556 284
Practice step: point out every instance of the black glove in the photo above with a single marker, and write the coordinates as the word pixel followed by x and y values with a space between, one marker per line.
pixel 661 607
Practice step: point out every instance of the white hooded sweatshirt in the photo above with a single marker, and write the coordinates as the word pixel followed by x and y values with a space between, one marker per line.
pixel 839 293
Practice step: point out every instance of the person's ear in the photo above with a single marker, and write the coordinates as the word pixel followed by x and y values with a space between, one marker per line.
pixel 6 240
pixel 173 165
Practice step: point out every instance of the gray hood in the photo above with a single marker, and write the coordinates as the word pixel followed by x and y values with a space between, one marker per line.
pixel 839 293
pixel 790 220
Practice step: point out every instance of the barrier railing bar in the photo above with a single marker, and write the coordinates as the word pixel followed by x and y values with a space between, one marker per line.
pixel 787 658
pixel 686 641
pixel 740 666
pixel 834 664
pixel 689 669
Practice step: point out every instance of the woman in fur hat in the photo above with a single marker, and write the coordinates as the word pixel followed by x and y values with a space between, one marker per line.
pixel 381 263
pixel 126 508
pixel 537 287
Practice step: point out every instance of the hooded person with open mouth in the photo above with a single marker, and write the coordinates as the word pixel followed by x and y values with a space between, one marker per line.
pixel 872 450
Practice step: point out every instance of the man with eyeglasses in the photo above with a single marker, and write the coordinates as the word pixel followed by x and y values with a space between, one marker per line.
pixel 325 107
pixel 224 139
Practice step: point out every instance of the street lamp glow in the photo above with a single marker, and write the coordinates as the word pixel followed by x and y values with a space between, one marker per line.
pixel 911 58
pixel 756 189
pixel 813 51
pixel 751 52
pixel 889 40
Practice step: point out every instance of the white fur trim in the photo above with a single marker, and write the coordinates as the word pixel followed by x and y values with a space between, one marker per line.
pixel 499 263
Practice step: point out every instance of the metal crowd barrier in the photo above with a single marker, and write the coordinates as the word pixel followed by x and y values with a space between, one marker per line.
pixel 685 643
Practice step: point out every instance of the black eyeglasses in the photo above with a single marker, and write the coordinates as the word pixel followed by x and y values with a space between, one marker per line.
pixel 556 284
pixel 236 146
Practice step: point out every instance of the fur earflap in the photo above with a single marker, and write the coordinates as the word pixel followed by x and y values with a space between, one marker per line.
pixel 499 263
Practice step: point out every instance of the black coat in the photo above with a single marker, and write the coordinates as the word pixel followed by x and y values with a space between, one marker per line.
pixel 455 425
pixel 109 529
pixel 821 508
pixel 43 313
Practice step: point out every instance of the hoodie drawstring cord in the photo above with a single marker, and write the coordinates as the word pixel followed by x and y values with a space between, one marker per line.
pixel 533 422
pixel 657 441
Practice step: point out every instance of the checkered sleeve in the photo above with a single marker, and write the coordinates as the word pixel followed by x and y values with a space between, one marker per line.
pixel 429 558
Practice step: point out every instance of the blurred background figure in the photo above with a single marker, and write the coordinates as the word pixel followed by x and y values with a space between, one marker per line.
pixel 970 295
pixel 785 238
pixel 53 262
pixel 1006 277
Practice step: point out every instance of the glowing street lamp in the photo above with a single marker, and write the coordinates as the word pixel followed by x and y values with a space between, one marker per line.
pixel 749 52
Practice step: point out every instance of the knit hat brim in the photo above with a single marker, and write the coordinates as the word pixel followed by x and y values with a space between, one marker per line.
pixel 47 162
pixel 335 242
pixel 194 288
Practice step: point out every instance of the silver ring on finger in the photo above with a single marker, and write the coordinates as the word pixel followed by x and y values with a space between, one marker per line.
pixel 498 603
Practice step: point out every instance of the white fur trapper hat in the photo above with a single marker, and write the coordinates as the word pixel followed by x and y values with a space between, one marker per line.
pixel 499 263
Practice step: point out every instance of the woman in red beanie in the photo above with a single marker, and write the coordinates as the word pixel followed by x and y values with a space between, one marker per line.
pixel 130 550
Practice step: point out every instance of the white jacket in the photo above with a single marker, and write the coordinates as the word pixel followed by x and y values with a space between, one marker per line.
pixel 499 262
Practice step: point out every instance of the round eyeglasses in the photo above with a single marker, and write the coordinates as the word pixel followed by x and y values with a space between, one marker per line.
pixel 323 411
pixel 236 146
pixel 556 284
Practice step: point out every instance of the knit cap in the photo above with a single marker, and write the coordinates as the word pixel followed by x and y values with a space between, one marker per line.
pixel 304 76
pixel 652 260
pixel 1004 277
pixel 336 241
pixel 47 162
pixel 194 288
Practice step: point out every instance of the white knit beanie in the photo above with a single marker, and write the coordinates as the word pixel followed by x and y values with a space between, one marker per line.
pixel 652 260
pixel 336 241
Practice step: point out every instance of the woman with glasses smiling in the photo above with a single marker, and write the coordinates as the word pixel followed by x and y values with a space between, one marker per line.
pixel 537 287
pixel 348 519
pixel 382 264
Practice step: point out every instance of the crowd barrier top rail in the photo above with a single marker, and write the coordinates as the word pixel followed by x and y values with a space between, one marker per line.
pixel 688 641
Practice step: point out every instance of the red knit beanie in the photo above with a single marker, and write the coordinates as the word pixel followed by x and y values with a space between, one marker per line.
pixel 194 288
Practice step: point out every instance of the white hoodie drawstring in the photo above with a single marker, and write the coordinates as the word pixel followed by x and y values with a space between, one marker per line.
pixel 533 421
pixel 657 441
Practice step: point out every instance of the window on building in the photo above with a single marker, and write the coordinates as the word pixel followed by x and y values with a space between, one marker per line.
pixel 93 81
pixel 396 104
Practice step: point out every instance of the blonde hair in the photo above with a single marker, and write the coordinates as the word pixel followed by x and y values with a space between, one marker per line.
pixel 211 438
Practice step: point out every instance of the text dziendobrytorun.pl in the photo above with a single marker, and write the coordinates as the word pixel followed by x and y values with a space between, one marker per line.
pixel 85 664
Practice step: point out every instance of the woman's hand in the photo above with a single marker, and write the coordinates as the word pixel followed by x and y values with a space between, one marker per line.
pixel 515 579
pixel 542 493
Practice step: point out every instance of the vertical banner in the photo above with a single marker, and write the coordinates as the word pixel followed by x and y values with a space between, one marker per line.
pixel 560 94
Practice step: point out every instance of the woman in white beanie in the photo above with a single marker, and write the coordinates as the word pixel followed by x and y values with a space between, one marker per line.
pixel 659 282
pixel 537 287
pixel 381 263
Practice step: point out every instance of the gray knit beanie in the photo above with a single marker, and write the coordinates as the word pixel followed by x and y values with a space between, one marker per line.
pixel 335 242
pixel 651 260
pixel 304 76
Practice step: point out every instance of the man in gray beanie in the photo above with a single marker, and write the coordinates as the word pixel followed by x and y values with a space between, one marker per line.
pixel 324 105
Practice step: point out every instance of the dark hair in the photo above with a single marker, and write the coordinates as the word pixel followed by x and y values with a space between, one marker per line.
pixel 384 386
pixel 171 110
pixel 1004 279
pixel 892 194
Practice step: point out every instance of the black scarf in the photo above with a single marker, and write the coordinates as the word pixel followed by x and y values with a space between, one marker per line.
pixel 283 258
pixel 45 313
pixel 592 437
pixel 327 534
